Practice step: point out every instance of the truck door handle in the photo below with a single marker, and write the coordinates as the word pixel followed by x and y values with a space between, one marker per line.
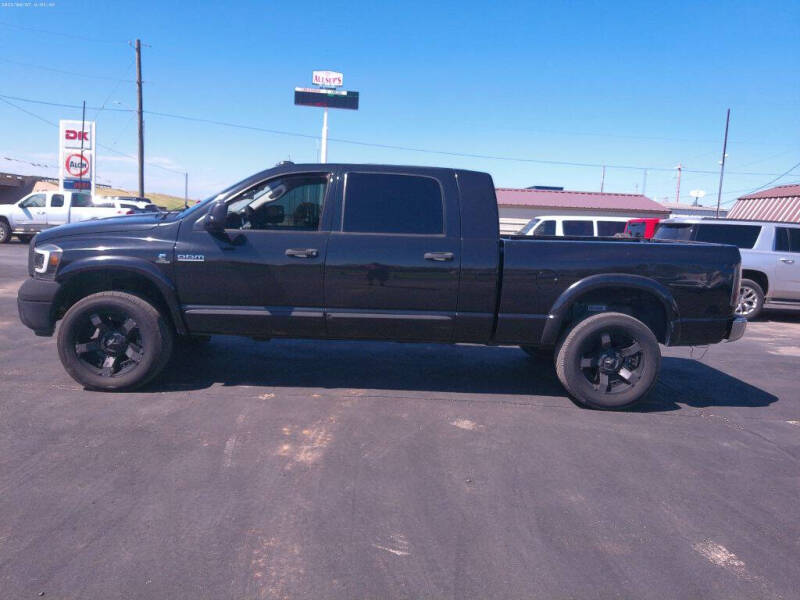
pixel 440 256
pixel 302 252
pixel 788 261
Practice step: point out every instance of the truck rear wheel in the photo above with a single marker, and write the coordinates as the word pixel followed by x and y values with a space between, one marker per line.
pixel 114 341
pixel 609 361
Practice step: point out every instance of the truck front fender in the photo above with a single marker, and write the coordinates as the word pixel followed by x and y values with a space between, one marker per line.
pixel 132 265
pixel 559 312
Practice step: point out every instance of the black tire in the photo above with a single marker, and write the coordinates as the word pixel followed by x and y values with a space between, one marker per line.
pixel 25 239
pixel 751 299
pixel 539 352
pixel 609 361
pixel 5 232
pixel 114 341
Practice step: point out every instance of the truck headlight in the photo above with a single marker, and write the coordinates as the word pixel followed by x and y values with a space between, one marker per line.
pixel 46 258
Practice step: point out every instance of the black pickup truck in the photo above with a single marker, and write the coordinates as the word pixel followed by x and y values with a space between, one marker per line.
pixel 372 252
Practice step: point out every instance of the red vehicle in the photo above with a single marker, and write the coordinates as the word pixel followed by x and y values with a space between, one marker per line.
pixel 642 228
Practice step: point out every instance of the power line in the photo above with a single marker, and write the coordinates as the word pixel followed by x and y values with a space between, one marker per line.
pixel 391 146
pixel 109 148
pixel 71 73
pixel 28 162
pixel 60 33
pixel 781 176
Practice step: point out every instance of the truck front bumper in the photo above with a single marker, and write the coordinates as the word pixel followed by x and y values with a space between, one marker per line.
pixel 35 304
pixel 736 331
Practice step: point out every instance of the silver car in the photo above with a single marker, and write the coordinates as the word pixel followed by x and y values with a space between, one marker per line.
pixel 770 257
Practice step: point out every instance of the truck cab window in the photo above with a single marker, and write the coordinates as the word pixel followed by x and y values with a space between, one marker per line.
pixel 57 201
pixel 582 228
pixel 290 202
pixel 35 201
pixel 636 229
pixel 611 228
pixel 546 228
pixel 81 201
pixel 387 203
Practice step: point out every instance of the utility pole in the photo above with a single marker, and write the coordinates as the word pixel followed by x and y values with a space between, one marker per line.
pixel 139 115
pixel 722 163
pixel 323 153
pixel 678 188
pixel 603 179
pixel 644 182
pixel 83 128
pixel 186 190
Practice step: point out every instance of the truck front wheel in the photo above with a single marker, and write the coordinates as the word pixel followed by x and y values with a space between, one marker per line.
pixel 609 361
pixel 114 341
pixel 5 232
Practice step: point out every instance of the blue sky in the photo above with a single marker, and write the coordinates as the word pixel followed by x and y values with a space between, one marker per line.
pixel 639 84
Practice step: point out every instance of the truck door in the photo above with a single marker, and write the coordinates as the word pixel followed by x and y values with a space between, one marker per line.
pixel 787 267
pixel 30 213
pixel 393 261
pixel 263 277
pixel 57 210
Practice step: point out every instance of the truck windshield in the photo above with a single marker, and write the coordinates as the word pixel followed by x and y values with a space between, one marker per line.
pixel 674 231
pixel 527 229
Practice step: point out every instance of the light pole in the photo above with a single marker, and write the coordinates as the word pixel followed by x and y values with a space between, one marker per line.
pixel 323 152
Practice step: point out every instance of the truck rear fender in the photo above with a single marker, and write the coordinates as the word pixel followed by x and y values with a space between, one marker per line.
pixel 124 273
pixel 612 286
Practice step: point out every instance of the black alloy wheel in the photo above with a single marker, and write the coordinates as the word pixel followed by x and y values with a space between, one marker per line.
pixel 608 361
pixel 114 341
pixel 110 343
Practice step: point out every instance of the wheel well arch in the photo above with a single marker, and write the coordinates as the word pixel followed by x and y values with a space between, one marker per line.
pixel 4 219
pixel 640 297
pixel 91 281
pixel 758 276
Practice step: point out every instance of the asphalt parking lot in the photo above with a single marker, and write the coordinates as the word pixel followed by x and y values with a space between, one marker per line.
pixel 305 469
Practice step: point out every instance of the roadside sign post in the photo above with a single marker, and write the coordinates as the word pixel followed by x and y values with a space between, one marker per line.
pixel 327 95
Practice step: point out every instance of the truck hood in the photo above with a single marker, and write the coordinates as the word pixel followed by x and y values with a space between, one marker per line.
pixel 5 209
pixel 132 224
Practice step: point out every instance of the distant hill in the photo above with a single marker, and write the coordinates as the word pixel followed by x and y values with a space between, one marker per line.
pixel 165 200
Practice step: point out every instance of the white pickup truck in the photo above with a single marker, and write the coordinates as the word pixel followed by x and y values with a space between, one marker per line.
pixel 42 210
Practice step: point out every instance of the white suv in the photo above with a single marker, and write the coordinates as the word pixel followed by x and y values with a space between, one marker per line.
pixel 575 225
pixel 770 257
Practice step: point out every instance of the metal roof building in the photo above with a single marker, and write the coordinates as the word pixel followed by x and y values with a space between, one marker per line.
pixel 693 210
pixel 780 203
pixel 529 203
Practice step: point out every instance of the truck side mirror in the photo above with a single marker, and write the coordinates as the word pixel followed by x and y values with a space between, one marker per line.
pixel 216 217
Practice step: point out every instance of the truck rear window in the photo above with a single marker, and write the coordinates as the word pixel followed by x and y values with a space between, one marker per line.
pixel 637 229
pixel 388 203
